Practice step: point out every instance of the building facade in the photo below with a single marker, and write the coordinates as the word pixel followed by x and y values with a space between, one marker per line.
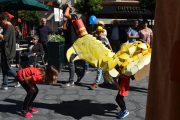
pixel 124 10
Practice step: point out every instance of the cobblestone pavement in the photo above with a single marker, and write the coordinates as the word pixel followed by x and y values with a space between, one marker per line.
pixel 77 103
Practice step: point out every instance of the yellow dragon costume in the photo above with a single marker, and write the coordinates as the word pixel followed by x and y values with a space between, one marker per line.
pixel 127 61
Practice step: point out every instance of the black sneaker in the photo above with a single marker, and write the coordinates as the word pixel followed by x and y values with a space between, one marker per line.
pixel 70 84
pixel 79 77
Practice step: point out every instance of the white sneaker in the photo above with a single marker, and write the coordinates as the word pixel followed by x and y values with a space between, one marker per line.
pixel 70 84
pixel 4 88
pixel 17 85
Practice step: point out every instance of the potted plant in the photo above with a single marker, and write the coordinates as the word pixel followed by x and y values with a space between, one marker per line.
pixel 56 51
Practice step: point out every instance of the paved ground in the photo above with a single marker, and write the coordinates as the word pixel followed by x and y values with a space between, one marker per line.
pixel 78 103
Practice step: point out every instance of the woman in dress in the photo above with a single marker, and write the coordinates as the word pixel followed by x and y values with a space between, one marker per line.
pixel 146 34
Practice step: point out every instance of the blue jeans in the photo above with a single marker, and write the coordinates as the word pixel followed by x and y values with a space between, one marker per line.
pixel 6 68
pixel 85 66
pixel 99 74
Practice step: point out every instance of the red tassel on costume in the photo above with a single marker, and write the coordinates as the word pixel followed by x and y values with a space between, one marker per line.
pixel 79 27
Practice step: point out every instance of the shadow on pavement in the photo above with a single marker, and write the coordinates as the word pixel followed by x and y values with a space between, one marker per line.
pixel 111 86
pixel 138 89
pixel 76 109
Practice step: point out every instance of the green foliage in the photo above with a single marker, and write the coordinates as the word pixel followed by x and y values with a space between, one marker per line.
pixel 56 38
pixel 148 4
pixel 30 16
pixel 95 6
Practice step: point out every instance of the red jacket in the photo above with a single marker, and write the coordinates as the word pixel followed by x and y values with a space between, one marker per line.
pixel 31 71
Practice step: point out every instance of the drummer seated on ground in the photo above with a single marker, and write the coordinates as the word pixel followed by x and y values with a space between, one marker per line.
pixel 35 50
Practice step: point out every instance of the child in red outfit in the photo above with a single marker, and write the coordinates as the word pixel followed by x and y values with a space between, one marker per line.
pixel 124 85
pixel 28 78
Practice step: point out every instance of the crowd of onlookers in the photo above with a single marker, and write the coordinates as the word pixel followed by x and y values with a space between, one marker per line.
pixel 118 35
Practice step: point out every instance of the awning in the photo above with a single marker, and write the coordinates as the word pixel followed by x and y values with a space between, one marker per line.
pixel 22 5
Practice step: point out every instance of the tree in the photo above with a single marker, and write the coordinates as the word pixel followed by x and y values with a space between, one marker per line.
pixel 94 6
pixel 87 8
pixel 30 16
pixel 148 4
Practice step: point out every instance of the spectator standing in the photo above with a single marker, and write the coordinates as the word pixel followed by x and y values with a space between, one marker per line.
pixel 132 33
pixel 146 34
pixel 70 38
pixel 115 36
pixel 43 31
pixel 17 34
pixel 8 49
pixel 100 32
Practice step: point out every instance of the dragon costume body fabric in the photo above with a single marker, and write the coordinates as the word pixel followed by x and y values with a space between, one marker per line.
pixel 127 61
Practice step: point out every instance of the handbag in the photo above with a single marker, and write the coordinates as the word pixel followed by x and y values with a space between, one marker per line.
pixel 26 56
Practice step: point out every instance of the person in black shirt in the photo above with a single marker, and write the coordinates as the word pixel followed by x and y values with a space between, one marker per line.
pixel 43 31
pixel 8 49
pixel 18 34
pixel 70 38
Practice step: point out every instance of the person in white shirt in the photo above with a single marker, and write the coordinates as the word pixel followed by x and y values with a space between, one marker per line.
pixel 115 36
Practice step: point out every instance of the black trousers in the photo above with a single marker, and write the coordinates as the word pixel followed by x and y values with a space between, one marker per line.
pixel 120 101
pixel 31 95
pixel 44 44
pixel 17 57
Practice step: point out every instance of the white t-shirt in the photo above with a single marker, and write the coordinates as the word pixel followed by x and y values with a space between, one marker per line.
pixel 104 40
pixel 105 32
